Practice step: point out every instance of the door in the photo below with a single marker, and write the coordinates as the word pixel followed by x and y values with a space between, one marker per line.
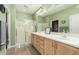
pixel 20 36
pixel 28 28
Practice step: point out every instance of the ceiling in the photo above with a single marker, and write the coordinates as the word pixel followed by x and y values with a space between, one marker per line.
pixel 56 8
pixel 27 8
pixel 48 8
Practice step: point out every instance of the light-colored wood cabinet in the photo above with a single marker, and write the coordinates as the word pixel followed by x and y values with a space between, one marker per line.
pixel 38 43
pixel 43 45
pixel 50 47
pixel 64 49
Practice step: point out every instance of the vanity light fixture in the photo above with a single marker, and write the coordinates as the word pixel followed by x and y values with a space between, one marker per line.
pixel 39 11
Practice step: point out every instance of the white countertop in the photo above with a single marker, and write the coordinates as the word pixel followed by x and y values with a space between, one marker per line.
pixel 72 41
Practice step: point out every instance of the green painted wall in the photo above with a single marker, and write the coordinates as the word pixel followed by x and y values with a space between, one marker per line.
pixel 12 11
pixel 63 15
pixel 39 23
pixel 23 16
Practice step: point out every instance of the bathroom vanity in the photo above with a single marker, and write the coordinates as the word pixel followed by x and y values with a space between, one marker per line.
pixel 53 44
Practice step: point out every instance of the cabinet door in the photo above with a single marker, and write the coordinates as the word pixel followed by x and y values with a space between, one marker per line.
pixel 49 47
pixel 63 49
pixel 41 45
pixel 41 42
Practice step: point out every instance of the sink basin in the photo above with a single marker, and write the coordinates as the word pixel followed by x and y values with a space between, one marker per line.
pixel 58 36
pixel 61 37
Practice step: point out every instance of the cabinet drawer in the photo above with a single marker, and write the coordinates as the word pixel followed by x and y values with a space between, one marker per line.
pixel 41 46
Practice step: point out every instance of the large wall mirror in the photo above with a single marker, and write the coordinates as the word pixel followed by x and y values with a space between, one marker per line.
pixel 74 24
pixel 67 26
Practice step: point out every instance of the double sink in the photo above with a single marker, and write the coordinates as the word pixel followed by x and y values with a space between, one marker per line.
pixel 64 38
